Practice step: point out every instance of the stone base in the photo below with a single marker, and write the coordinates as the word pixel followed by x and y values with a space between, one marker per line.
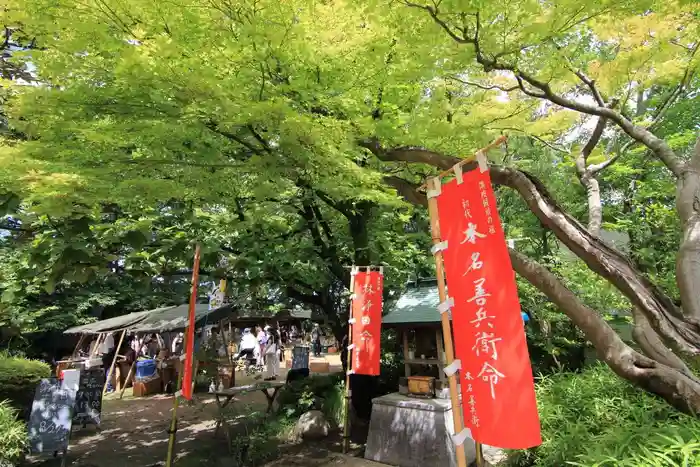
pixel 410 432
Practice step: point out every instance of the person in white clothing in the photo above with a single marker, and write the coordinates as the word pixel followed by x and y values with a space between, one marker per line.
pixel 177 344
pixel 272 362
pixel 248 345
pixel 107 344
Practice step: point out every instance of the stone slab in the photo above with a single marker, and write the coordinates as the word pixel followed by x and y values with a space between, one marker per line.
pixel 412 432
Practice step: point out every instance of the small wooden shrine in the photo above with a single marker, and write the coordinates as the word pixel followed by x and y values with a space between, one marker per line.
pixel 416 318
pixel 421 409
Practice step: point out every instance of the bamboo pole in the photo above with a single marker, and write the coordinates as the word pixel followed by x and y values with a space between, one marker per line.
pixel 466 160
pixel 407 366
pixel 114 362
pixel 77 347
pixel 348 393
pixel 480 461
pixel 128 376
pixel 94 351
pixel 446 326
pixel 176 400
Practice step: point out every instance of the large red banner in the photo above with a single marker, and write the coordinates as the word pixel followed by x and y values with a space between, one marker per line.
pixel 498 394
pixel 366 322
pixel 189 337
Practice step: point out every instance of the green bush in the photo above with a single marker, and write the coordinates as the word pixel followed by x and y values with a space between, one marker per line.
pixel 317 392
pixel 18 380
pixel 596 419
pixel 257 438
pixel 13 435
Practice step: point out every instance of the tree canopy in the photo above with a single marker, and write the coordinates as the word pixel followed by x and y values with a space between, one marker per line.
pixel 289 137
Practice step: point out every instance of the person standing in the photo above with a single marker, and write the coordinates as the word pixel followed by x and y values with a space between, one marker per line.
pixel 271 360
pixel 316 340
pixel 108 352
pixel 260 349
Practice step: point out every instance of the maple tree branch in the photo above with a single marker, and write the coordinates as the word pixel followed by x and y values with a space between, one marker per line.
pixel 213 127
pixel 591 85
pixel 544 91
pixel 592 143
pixel 485 87
pixel 535 137
pixel 602 258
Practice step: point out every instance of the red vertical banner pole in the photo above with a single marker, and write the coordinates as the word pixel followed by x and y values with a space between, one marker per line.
pixel 495 372
pixel 438 247
pixel 366 322
pixel 348 367
pixel 189 339
pixel 186 379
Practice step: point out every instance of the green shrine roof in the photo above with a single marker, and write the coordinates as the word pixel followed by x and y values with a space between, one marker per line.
pixel 417 305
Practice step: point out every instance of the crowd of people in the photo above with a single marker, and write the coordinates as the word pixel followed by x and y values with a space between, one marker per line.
pixel 264 346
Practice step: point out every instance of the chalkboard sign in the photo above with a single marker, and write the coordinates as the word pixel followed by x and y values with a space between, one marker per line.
pixel 300 357
pixel 51 419
pixel 88 402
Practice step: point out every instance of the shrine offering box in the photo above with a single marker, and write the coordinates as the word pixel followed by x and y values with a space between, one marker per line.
pixel 421 386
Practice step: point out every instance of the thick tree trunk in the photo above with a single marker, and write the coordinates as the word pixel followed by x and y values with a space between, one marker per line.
pixel 595 207
pixel 652 346
pixel 688 262
pixel 678 389
pixel 587 176
pixel 603 259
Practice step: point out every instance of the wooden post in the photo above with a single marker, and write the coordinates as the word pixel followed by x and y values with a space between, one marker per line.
pixel 77 347
pixel 348 392
pixel 114 361
pixel 128 377
pixel 176 399
pixel 480 462
pixel 441 352
pixel 96 350
pixel 446 324
pixel 407 366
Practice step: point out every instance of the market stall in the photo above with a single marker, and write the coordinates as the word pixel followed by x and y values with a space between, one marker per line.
pixel 149 332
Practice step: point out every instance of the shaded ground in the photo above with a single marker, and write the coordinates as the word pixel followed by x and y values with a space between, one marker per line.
pixel 135 434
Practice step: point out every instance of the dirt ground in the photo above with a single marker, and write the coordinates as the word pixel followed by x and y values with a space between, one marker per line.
pixel 135 434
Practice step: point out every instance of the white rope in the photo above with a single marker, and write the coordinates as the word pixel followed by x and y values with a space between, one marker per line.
pixel 446 305
pixel 458 173
pixel 434 188
pixel 439 247
pixel 453 367
pixel 482 160
pixel 461 437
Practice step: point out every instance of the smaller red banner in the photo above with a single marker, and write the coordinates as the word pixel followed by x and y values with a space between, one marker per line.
pixel 366 322
pixel 189 338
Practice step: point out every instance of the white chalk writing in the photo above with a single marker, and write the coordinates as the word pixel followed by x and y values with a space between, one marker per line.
pixel 491 375
pixel 479 292
pixel 471 234
pixel 476 263
pixel 482 315
pixel 486 343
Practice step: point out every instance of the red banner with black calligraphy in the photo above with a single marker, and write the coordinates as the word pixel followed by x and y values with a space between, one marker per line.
pixel 366 322
pixel 498 394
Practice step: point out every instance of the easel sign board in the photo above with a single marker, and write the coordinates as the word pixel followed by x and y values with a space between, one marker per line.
pixel 51 419
pixel 88 402
pixel 300 357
